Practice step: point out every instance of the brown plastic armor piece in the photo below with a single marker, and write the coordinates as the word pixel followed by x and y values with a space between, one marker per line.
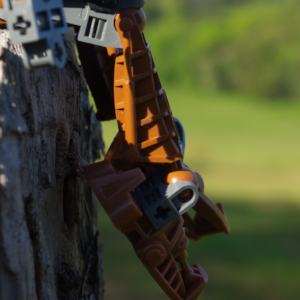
pixel 159 250
pixel 112 189
pixel 210 218
pixel 198 227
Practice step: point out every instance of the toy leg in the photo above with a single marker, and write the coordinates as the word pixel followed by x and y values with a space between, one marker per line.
pixel 147 137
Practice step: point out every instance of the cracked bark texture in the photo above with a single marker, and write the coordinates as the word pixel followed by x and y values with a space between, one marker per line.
pixel 48 216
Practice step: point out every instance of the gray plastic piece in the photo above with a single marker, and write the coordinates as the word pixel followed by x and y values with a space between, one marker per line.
pixel 96 22
pixel 159 201
pixel 39 26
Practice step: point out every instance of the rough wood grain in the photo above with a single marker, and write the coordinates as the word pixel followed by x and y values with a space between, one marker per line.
pixel 48 216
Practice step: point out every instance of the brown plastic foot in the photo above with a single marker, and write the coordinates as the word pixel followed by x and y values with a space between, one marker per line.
pixel 196 281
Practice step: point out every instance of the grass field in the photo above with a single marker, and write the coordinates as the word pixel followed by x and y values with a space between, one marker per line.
pixel 247 150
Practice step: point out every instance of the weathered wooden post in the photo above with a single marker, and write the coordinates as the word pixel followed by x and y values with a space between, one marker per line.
pixel 48 216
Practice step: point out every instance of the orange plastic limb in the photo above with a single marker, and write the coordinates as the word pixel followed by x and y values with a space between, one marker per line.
pixel 147 133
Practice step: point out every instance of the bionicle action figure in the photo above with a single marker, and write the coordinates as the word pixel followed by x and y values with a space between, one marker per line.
pixel 143 184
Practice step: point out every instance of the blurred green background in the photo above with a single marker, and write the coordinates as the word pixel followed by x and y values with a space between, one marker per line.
pixel 231 70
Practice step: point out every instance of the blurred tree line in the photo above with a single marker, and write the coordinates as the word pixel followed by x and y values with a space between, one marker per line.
pixel 247 45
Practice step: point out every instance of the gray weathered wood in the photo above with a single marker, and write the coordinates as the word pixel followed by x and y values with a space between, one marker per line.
pixel 48 216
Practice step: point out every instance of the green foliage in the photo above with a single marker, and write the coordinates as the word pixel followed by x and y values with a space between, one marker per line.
pixel 251 46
